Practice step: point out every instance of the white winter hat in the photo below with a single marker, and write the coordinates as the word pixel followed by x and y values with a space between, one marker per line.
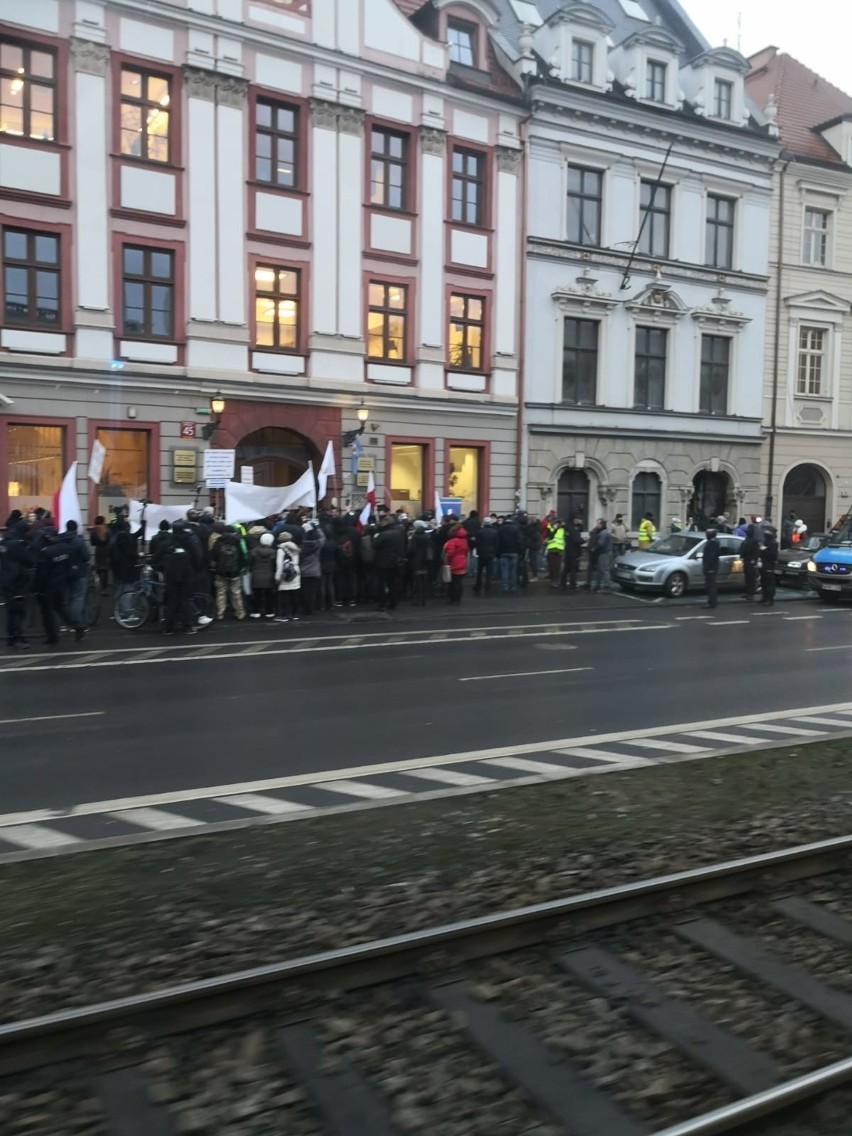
pixel 267 539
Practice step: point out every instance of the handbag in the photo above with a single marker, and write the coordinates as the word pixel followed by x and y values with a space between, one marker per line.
pixel 446 574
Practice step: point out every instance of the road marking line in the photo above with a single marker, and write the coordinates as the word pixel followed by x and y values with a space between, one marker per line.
pixel 36 836
pixel 259 803
pixel 759 614
pixel 839 647
pixel 450 777
pixel 526 765
pixel 155 819
pixel 727 622
pixel 799 618
pixel 525 674
pixel 818 721
pixel 605 756
pixel 53 717
pixel 91 808
pixel 362 789
pixel 716 736
pixel 764 727
pixel 688 618
pixel 668 747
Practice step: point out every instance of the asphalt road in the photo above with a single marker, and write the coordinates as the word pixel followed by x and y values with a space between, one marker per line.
pixel 367 693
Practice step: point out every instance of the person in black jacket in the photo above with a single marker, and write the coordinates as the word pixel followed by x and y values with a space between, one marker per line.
pixel 486 546
pixel 389 547
pixel 181 563
pixel 124 555
pixel 749 554
pixel 573 552
pixel 768 563
pixel 16 563
pixel 710 563
pixel 420 555
pixel 509 547
pixel 52 577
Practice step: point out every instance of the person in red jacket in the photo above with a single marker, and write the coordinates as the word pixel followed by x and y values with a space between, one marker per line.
pixel 455 555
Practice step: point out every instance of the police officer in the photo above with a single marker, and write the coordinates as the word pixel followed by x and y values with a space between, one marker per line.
pixel 768 562
pixel 710 564
pixel 749 554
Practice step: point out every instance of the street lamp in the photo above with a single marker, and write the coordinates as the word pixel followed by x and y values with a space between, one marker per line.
pixel 362 414
pixel 217 409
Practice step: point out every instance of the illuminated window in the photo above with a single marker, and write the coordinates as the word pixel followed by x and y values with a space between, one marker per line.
pixel 27 91
pixel 145 114
pixel 467 332
pixel 147 293
pixel 276 308
pixel 463 476
pixel 35 464
pixel 126 469
pixel 31 280
pixel 386 321
pixel 461 39
pixel 407 466
pixel 388 168
pixel 468 186
pixel 275 137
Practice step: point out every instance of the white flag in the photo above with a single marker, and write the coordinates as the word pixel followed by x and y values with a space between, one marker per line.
pixel 326 470
pixel 364 519
pixel 66 503
pixel 96 462
pixel 439 512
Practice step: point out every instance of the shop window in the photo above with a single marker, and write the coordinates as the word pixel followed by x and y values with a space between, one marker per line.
pixel 464 476
pixel 407 472
pixel 36 456
pixel 126 469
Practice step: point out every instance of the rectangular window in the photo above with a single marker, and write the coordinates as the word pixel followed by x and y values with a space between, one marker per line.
pixel 148 287
pixel 276 129
pixel 649 384
pixel 655 219
pixel 407 472
pixel 461 40
pixel 715 367
pixel 580 362
pixel 723 98
pixel 388 168
pixel 655 81
pixel 145 114
pixel 126 469
pixel 811 358
pixel 467 332
pixel 36 464
pixel 277 307
pixel 719 232
pixel 463 476
pixel 468 186
pixel 27 91
pixel 582 60
pixel 31 279
pixel 386 321
pixel 585 198
pixel 815 243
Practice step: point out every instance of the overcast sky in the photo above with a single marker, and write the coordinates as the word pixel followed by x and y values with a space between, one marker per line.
pixel 812 40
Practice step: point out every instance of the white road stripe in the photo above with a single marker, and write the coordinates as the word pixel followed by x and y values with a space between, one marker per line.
pixel 260 803
pixel 716 736
pixel 839 647
pixel 52 717
pixel 155 819
pixel 361 789
pixel 36 836
pixel 450 777
pixel 526 765
pixel 799 618
pixel 605 756
pixel 690 618
pixel 526 674
pixel 765 728
pixel 668 747
pixel 814 721
pixel 727 622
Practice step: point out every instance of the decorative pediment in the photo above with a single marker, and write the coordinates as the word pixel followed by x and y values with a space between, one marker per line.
pixel 723 57
pixel 718 315
pixel 654 37
pixel 818 300
pixel 583 16
pixel 584 297
pixel 486 11
pixel 657 303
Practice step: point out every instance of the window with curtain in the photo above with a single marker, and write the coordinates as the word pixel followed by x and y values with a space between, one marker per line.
pixel 36 458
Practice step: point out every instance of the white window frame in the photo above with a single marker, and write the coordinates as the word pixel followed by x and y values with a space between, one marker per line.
pixel 811 234
pixel 582 47
pixel 809 355
pixel 720 84
pixel 650 65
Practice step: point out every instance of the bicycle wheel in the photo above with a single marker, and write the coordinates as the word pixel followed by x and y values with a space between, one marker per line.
pixel 131 610
pixel 92 607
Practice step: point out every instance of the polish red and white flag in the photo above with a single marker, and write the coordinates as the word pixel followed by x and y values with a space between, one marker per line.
pixel 370 507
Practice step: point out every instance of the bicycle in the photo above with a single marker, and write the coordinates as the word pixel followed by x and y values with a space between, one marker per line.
pixel 146 600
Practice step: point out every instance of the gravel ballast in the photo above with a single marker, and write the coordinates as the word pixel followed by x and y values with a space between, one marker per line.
pixel 101 924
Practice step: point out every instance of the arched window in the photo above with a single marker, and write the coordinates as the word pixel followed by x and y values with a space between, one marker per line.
pixel 647 497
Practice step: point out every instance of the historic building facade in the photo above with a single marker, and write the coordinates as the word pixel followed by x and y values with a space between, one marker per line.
pixel 807 458
pixel 308 206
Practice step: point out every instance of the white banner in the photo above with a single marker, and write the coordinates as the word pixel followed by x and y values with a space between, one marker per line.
pixel 96 461
pixel 255 502
pixel 153 515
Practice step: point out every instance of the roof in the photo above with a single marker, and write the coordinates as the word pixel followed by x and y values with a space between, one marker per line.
pixel 409 7
pixel 804 99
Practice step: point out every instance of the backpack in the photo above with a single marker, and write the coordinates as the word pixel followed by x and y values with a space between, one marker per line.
pixel 289 571
pixel 228 560
pixel 177 563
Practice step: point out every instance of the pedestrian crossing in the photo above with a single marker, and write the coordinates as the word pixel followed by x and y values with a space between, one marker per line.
pixel 51 832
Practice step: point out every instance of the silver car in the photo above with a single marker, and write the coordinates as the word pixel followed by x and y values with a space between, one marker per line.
pixel 672 565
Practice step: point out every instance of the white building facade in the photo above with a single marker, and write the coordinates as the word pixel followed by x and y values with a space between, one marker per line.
pixel 649 193
pixel 305 205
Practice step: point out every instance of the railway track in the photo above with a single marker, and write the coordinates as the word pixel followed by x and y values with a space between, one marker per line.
pixel 676 1006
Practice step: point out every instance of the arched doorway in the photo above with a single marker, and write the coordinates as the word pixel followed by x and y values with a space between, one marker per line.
pixel 804 494
pixel 712 496
pixel 646 498
pixel 572 495
pixel 278 456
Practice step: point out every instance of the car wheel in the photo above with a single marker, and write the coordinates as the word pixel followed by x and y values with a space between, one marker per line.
pixel 675 585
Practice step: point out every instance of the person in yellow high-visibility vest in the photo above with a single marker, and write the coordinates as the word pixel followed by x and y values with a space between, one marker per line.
pixel 554 546
pixel 647 532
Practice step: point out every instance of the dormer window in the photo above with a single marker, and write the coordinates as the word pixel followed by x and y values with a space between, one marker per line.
pixel 655 81
pixel 582 60
pixel 461 40
pixel 723 99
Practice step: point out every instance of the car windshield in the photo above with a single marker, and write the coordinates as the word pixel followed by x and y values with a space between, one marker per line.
pixel 842 536
pixel 674 545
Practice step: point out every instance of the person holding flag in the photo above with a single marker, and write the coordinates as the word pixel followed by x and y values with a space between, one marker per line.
pixel 370 506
